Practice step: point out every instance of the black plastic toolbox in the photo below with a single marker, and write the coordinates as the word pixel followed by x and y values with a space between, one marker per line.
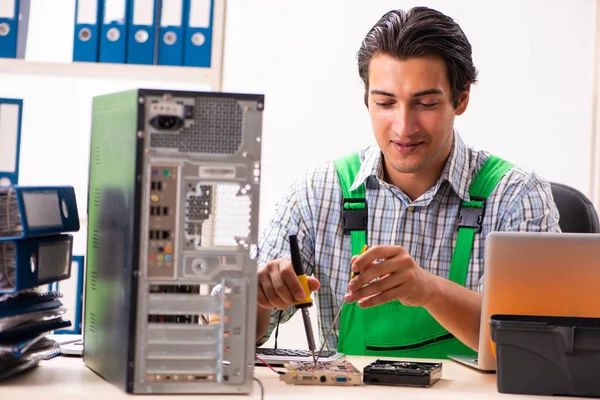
pixel 547 355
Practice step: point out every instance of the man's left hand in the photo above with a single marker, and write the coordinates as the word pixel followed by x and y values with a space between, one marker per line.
pixel 389 273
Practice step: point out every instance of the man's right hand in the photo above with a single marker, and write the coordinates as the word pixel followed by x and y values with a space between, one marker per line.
pixel 279 287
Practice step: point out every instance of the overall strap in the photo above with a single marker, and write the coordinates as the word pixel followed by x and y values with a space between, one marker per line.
pixel 471 215
pixel 354 204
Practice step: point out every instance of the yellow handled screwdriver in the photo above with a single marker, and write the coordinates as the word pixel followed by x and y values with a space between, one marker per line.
pixel 337 314
pixel 304 304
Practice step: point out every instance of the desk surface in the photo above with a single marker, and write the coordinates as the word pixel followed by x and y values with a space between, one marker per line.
pixel 68 378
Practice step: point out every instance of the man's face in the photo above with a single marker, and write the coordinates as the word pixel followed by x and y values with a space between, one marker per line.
pixel 411 112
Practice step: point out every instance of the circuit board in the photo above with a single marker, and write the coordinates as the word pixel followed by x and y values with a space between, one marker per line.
pixel 337 373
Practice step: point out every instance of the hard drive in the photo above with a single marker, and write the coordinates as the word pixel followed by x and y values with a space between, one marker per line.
pixel 402 373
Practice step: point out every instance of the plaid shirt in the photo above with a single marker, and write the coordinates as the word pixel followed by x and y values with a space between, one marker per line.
pixel 425 227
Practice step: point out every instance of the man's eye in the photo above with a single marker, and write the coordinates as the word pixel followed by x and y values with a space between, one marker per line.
pixel 427 105
pixel 383 104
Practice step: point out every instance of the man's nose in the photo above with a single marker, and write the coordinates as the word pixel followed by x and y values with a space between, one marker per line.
pixel 405 121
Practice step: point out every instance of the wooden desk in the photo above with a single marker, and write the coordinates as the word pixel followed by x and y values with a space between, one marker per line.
pixel 67 378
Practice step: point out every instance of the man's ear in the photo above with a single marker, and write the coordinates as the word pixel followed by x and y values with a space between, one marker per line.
pixel 463 99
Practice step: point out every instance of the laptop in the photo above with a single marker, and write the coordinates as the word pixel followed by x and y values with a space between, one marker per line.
pixel 531 273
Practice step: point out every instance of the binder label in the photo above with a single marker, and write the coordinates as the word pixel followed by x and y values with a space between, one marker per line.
pixel 54 259
pixel 42 209
pixel 171 13
pixel 7 8
pixel 87 12
pixel 143 12
pixel 9 132
pixel 114 11
pixel 199 14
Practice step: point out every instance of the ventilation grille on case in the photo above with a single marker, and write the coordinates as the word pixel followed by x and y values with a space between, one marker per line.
pixel 217 215
pixel 198 207
pixel 96 239
pixel 96 198
pixel 91 322
pixel 217 129
pixel 10 217
pixel 97 152
pixel 94 280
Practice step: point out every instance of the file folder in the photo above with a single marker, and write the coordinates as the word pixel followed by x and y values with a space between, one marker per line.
pixel 23 299
pixel 10 350
pixel 14 21
pixel 28 263
pixel 36 345
pixel 72 290
pixel 113 38
pixel 9 317
pixel 170 45
pixel 12 366
pixel 198 33
pixel 87 31
pixel 142 32
pixel 33 329
pixel 11 111
pixel 30 211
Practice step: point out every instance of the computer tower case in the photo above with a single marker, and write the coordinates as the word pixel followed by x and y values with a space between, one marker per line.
pixel 170 292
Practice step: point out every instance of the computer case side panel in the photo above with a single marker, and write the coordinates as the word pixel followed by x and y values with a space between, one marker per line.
pixel 113 235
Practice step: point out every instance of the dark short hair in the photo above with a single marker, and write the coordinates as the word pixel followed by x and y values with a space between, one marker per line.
pixel 420 31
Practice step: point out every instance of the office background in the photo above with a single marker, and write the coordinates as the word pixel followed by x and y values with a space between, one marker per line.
pixel 533 105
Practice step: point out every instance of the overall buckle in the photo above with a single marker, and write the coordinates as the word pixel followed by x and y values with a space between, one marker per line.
pixel 354 215
pixel 471 215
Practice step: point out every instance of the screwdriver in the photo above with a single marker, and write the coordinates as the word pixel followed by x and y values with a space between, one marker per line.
pixel 337 314
pixel 304 304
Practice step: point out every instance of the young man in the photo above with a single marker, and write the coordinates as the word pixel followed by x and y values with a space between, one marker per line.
pixel 419 290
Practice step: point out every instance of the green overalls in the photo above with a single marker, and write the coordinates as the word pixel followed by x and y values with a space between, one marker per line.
pixel 392 329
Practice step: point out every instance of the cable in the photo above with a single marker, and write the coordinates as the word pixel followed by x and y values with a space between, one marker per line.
pixel 262 388
pixel 269 365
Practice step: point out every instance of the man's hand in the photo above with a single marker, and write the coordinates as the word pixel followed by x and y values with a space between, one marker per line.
pixel 397 276
pixel 278 285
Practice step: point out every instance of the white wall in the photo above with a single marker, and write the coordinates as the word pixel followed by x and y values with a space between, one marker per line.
pixel 532 104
